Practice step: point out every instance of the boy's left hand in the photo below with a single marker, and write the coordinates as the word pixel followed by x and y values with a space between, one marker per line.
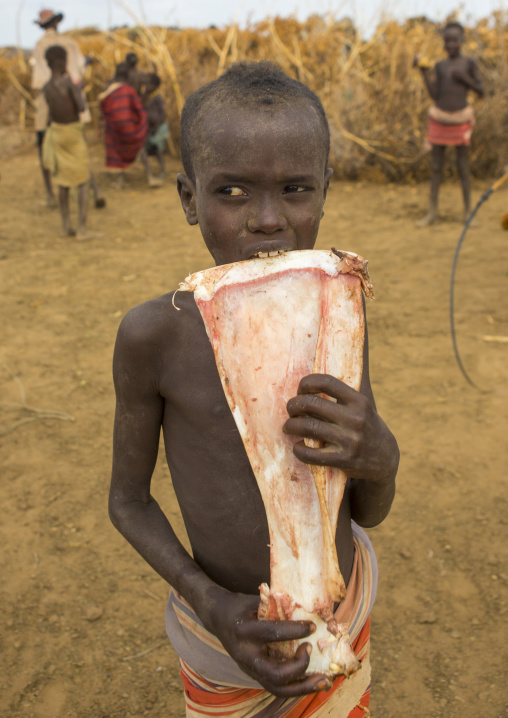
pixel 354 437
pixel 461 76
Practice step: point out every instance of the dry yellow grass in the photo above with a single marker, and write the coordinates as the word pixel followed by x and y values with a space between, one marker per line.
pixel 375 101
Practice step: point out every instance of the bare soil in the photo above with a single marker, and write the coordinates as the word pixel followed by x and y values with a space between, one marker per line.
pixel 82 615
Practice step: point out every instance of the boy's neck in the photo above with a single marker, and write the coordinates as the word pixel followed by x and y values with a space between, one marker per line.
pixel 55 74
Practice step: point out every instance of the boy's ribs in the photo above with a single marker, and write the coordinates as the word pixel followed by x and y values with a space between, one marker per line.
pixel 271 322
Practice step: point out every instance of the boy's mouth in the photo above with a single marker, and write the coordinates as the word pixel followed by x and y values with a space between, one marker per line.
pixel 263 255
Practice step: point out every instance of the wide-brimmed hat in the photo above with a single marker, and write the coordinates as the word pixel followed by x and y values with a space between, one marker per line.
pixel 47 16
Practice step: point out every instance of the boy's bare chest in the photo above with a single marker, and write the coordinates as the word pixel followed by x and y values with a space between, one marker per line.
pixel 451 68
pixel 190 382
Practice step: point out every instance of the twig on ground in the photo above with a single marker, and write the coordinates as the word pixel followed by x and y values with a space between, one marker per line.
pixel 37 414
pixel 146 652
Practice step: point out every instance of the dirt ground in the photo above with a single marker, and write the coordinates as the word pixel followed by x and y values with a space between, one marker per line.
pixel 82 615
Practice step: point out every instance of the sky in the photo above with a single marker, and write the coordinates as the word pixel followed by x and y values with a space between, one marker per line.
pixel 18 28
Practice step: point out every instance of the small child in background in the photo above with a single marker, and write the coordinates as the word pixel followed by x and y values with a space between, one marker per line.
pixel 158 129
pixel 136 77
pixel 451 118
pixel 64 151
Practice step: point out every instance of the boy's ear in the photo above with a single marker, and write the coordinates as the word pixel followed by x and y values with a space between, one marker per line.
pixel 328 177
pixel 187 194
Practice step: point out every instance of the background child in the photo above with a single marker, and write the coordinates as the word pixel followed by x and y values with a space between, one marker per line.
pixel 65 153
pixel 255 149
pixel 451 119
pixel 125 124
pixel 158 129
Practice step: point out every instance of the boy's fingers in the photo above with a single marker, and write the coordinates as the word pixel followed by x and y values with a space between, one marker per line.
pixel 311 428
pixel 287 678
pixel 274 631
pixel 321 457
pixel 326 384
pixel 313 405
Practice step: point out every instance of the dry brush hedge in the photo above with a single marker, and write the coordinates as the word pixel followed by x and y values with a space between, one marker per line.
pixel 375 101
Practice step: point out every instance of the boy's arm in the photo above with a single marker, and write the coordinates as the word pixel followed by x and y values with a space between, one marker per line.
pixel 470 79
pixel 76 95
pixel 355 439
pixel 432 85
pixel 136 514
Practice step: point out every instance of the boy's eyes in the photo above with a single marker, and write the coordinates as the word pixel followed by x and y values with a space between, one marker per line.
pixel 295 188
pixel 233 191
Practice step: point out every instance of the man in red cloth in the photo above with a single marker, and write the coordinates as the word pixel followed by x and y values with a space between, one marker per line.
pixel 451 119
pixel 125 122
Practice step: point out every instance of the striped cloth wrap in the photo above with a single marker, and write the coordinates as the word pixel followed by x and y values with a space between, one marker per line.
pixel 215 685
pixel 450 128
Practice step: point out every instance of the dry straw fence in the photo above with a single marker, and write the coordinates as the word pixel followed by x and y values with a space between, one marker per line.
pixel 375 100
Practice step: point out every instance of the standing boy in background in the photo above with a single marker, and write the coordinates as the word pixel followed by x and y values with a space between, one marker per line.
pixel 255 147
pixel 64 151
pixel 158 129
pixel 451 119
pixel 76 65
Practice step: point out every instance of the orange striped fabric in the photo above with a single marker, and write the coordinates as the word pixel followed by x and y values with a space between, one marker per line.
pixel 215 686
pixel 440 133
pixel 204 698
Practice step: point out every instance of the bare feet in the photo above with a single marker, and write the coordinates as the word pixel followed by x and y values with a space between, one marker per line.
pixel 155 181
pixel 69 232
pixel 100 202
pixel 429 219
pixel 84 235
pixel 50 202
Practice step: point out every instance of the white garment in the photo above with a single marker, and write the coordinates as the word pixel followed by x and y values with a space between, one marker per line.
pixel 75 58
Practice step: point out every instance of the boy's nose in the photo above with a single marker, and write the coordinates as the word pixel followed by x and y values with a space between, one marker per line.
pixel 267 219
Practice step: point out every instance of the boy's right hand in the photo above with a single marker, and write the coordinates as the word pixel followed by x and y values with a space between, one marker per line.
pixel 233 619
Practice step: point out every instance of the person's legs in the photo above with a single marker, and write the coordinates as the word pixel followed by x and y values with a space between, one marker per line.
pixel 152 181
pixel 160 157
pixel 119 180
pixel 46 175
pixel 82 208
pixel 465 180
pixel 99 200
pixel 63 199
pixel 146 163
pixel 83 233
pixel 438 157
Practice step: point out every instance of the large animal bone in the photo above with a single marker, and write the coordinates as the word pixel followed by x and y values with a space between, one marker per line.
pixel 271 322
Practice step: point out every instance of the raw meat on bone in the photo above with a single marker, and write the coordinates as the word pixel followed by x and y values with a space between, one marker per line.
pixel 272 321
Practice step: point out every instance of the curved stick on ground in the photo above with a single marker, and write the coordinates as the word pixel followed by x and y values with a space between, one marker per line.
pixel 485 196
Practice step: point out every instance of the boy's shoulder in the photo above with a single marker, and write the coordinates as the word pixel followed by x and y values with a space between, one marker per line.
pixel 158 321
pixel 159 334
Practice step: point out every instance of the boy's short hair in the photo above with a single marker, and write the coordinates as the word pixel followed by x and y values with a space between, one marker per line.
pixel 454 25
pixel 131 59
pixel 55 53
pixel 122 71
pixel 253 85
pixel 154 79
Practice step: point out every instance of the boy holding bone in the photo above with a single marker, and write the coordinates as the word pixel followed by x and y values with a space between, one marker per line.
pixel 255 149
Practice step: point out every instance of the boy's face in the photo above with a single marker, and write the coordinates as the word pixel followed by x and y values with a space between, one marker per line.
pixel 260 182
pixel 453 39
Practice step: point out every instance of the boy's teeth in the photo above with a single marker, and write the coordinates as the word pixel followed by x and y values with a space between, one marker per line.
pixel 263 255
